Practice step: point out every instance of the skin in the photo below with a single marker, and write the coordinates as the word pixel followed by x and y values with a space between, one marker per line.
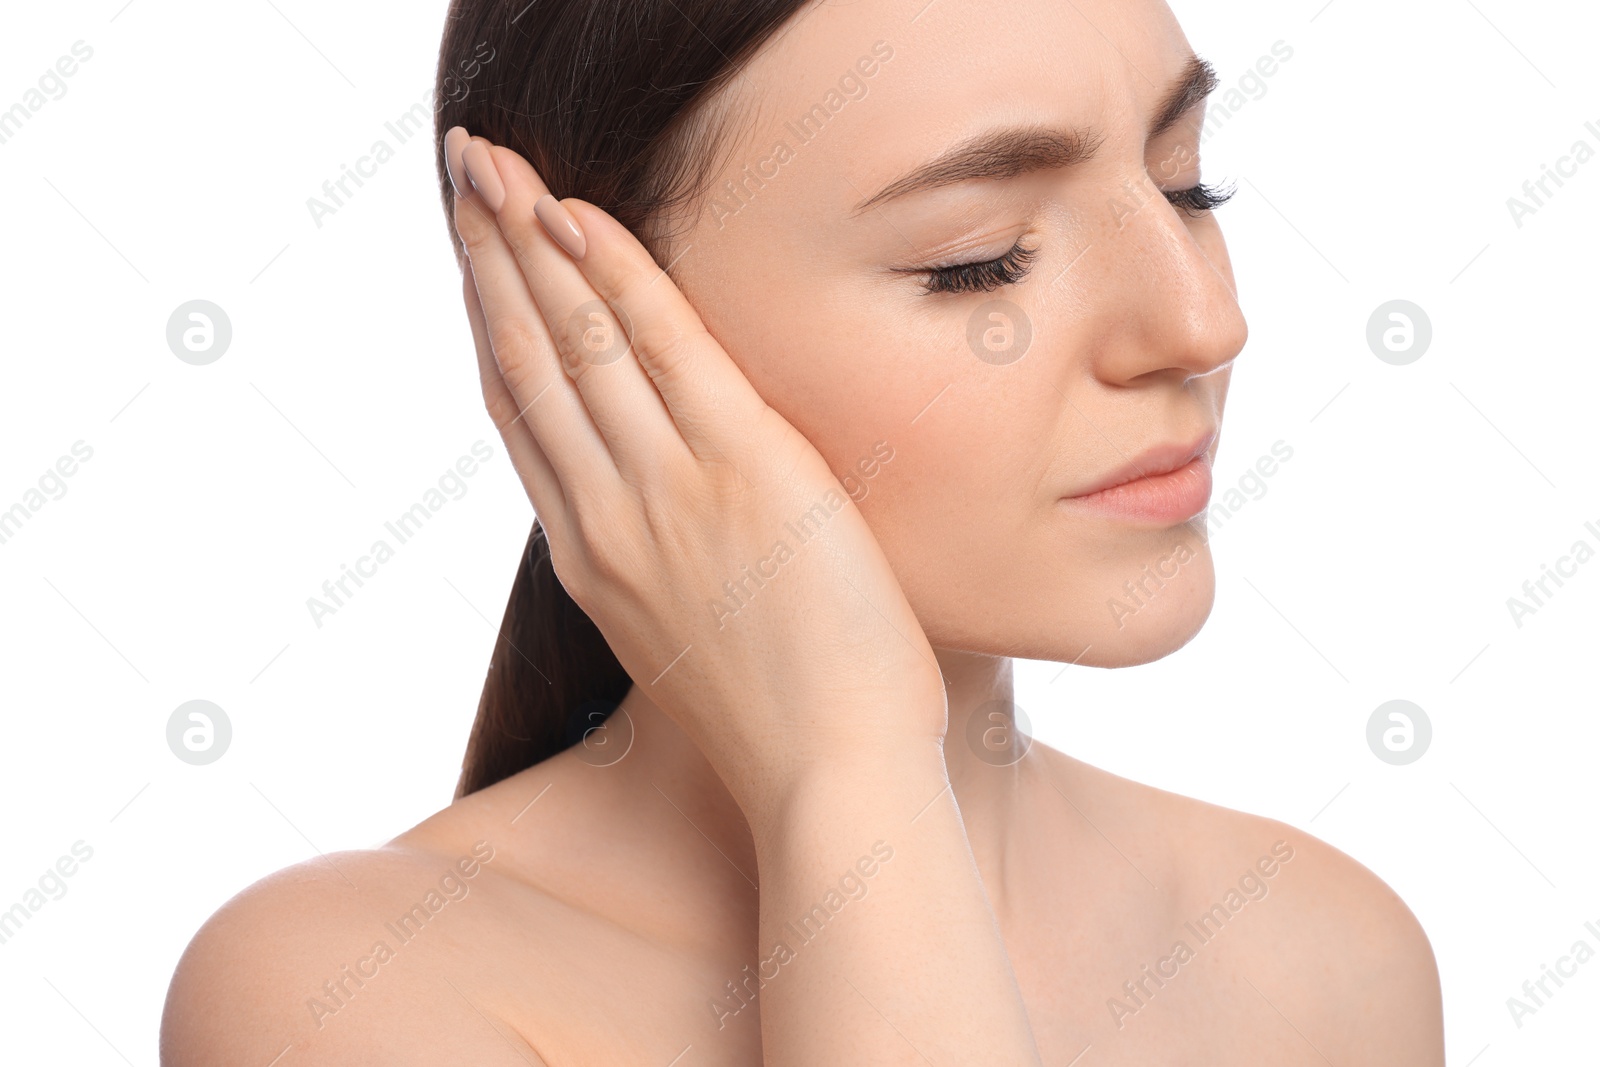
pixel 634 876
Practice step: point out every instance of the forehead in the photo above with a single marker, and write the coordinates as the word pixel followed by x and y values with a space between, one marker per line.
pixel 847 97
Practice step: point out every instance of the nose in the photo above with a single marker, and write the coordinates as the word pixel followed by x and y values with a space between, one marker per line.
pixel 1169 305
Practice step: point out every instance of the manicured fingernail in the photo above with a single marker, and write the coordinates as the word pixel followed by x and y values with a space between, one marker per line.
pixel 479 165
pixel 560 224
pixel 455 140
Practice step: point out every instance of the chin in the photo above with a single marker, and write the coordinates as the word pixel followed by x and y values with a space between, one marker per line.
pixel 1144 622
pixel 1123 622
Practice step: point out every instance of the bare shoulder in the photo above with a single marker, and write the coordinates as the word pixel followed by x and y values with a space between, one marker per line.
pixel 354 958
pixel 1340 945
pixel 1323 943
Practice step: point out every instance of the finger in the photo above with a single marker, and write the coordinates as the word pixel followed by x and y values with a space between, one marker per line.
pixel 529 460
pixel 592 338
pixel 525 355
pixel 708 396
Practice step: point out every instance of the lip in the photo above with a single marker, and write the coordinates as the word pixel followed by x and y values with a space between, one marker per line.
pixel 1169 484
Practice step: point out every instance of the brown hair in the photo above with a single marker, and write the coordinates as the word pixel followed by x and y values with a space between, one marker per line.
pixel 608 99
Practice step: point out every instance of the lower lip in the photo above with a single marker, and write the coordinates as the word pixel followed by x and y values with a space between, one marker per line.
pixel 1168 499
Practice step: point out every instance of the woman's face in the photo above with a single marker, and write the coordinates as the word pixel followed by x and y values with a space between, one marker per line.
pixel 993 407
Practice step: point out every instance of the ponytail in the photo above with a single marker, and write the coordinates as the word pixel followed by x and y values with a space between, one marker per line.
pixel 604 98
pixel 551 679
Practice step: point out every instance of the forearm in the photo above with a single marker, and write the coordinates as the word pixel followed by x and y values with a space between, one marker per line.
pixel 877 941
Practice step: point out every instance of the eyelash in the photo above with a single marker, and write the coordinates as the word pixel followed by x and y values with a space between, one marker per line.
pixel 1200 199
pixel 1014 265
pixel 979 277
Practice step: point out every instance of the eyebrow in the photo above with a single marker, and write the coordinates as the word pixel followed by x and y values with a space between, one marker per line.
pixel 1009 151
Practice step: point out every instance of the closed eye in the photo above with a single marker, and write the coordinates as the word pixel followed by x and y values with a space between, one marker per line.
pixel 1200 199
pixel 976 277
pixel 989 275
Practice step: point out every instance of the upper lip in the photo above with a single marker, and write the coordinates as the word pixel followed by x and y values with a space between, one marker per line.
pixel 1158 459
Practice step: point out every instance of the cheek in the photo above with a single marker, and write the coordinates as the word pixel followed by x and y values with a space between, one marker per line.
pixel 933 444
pixel 848 380
pixel 861 387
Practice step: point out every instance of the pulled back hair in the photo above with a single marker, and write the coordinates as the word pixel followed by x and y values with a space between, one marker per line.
pixel 611 102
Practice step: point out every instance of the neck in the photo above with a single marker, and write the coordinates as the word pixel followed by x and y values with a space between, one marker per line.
pixel 983 752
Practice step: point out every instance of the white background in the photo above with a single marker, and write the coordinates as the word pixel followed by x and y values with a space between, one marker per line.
pixel 1376 165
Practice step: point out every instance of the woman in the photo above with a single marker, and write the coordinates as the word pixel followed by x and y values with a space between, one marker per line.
pixel 866 346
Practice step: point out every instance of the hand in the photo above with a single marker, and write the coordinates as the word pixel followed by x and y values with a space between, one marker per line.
pixel 725 565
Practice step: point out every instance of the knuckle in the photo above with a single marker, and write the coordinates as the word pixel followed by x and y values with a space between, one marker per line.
pixel 604 559
pixel 502 407
pixel 589 336
pixel 621 281
pixel 513 336
pixel 475 226
pixel 606 569
pixel 577 368
pixel 514 340
pixel 725 482
pixel 570 573
pixel 675 525
pixel 518 229
pixel 666 349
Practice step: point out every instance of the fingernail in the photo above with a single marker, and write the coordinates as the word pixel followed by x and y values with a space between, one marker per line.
pixel 455 140
pixel 560 224
pixel 479 165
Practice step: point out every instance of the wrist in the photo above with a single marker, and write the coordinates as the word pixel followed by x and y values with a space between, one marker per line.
pixel 855 786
